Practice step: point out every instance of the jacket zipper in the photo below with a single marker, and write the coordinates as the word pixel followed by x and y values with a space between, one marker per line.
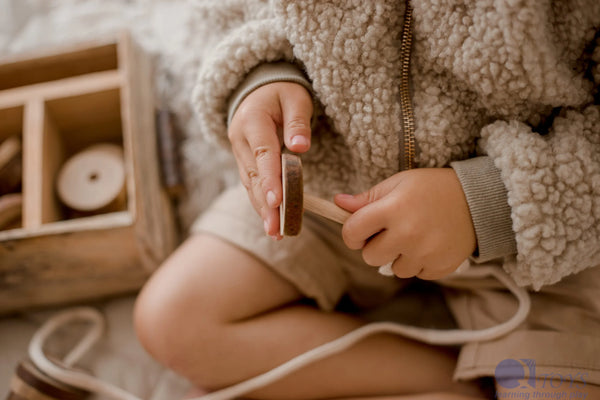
pixel 408 118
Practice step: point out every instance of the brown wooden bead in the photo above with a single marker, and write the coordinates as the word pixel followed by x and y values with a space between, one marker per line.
pixel 29 383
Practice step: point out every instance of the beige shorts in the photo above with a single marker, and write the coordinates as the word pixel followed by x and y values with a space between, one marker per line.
pixel 560 338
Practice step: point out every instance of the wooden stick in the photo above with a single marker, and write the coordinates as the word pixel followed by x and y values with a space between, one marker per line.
pixel 325 208
pixel 11 208
pixel 295 201
pixel 10 165
pixel 9 148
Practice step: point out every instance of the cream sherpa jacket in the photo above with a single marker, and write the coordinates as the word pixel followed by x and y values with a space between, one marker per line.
pixel 503 91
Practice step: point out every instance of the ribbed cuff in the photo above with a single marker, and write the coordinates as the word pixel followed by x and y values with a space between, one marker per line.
pixel 488 203
pixel 265 74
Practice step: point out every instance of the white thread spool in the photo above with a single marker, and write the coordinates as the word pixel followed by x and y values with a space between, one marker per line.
pixel 93 180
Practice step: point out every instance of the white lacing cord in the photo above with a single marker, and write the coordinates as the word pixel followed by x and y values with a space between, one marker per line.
pixel 65 374
pixel 432 336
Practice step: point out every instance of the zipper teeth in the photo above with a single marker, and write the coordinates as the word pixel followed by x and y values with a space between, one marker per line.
pixel 405 103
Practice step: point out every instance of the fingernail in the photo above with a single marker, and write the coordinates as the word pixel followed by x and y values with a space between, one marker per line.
pixel 271 199
pixel 266 226
pixel 299 140
pixel 344 196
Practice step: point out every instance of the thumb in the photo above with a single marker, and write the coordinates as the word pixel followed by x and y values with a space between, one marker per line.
pixel 353 203
pixel 297 109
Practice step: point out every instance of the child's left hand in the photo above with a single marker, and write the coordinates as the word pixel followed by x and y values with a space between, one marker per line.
pixel 418 219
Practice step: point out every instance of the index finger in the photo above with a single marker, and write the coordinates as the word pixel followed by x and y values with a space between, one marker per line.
pixel 364 223
pixel 265 145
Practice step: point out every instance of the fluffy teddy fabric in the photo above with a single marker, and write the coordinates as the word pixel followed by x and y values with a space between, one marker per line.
pixel 510 80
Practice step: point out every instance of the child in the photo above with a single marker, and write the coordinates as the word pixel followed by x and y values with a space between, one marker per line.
pixel 451 130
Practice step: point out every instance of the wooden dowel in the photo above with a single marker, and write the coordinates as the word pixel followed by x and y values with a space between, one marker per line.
pixel 325 208
pixel 11 208
pixel 10 165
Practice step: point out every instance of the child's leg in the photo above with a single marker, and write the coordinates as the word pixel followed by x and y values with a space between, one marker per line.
pixel 217 315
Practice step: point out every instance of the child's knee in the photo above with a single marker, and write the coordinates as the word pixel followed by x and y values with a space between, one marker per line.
pixel 168 329
pixel 161 314
pixel 175 332
pixel 152 320
pixel 171 311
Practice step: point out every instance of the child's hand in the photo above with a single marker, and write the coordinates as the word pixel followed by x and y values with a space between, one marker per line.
pixel 272 114
pixel 418 219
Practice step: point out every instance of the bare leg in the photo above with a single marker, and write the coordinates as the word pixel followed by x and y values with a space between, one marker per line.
pixel 216 315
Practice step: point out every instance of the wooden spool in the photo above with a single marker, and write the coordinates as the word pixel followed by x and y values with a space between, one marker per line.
pixel 295 201
pixel 93 180
pixel 29 383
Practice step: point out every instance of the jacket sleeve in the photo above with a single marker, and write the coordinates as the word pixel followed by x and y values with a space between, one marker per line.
pixel 537 197
pixel 263 75
pixel 553 186
pixel 250 35
pixel 488 204
pixel 539 123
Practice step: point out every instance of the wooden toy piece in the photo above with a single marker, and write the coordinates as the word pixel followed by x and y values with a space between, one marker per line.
pixel 10 165
pixel 58 101
pixel 291 208
pixel 168 141
pixel 295 201
pixel 93 180
pixel 29 383
pixel 11 208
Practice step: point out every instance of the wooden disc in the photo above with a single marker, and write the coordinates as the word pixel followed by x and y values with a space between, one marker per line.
pixel 290 211
pixel 93 179
pixel 29 383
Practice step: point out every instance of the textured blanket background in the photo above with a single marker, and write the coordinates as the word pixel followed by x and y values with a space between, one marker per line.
pixel 169 32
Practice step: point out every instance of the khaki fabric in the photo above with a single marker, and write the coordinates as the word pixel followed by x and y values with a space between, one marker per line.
pixel 561 334
pixel 316 261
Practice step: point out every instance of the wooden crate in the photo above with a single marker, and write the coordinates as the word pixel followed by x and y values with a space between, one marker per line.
pixel 59 103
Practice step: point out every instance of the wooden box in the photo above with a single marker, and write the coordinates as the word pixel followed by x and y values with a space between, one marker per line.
pixel 59 103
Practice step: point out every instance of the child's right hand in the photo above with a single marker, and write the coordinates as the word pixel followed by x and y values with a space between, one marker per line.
pixel 274 113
